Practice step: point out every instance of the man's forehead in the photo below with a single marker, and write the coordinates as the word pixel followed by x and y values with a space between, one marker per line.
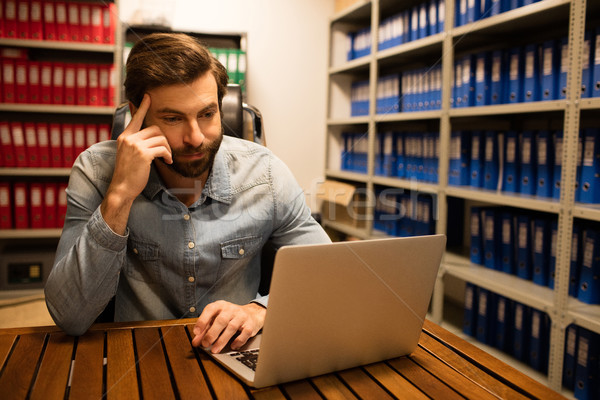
pixel 200 93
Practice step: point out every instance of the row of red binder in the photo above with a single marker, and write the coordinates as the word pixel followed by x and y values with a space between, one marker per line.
pixel 43 145
pixel 45 82
pixel 32 205
pixel 90 22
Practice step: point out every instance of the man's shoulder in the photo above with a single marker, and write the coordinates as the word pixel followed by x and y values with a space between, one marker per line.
pixel 241 146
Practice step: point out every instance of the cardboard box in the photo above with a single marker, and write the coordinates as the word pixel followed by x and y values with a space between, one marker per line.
pixel 341 5
pixel 343 203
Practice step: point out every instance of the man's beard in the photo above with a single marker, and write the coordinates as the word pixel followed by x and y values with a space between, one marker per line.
pixel 196 168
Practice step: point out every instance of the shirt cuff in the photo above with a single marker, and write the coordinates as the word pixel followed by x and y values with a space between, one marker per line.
pixel 105 236
pixel 261 301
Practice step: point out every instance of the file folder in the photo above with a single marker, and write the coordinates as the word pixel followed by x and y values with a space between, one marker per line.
pixel 503 323
pixel 7 158
pixel 579 165
pixel 528 163
pixel 23 19
pixel 400 155
pixel 492 231
pixel 476 236
pixel 511 177
pixel 508 244
pixel 496 95
pixel 570 357
pixel 36 205
pixel 74 24
pixel 558 146
pixel 589 187
pixel 477 163
pixel 545 164
pixel 10 18
pixel 460 145
pixel 521 332
pixel 43 140
pixel 531 81
pixel 69 81
pixel 589 278
pixel 56 160
pixel 468 84
pixel 586 64
pixel 485 318
pixel 18 141
pixel 49 21
pixel 423 20
pixel 31 144
pixel 524 247
pixel 550 71
pixel 470 313
pixel 553 238
pixel 587 373
pixel 91 134
pixel 576 259
pixel 21 205
pixel 538 354
pixel 441 15
pixel 564 68
pixel 6 216
pixel 491 167
pixel 515 76
pixel 458 84
pixel 33 77
pixel 482 79
pixel 433 17
pixel 50 197
pixel 541 251
pixel 461 12
pixel 595 86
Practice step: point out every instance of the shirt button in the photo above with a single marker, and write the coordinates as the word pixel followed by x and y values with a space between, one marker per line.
pixel 241 252
pixel 192 309
pixel 186 217
pixel 135 251
pixel 191 279
pixel 191 245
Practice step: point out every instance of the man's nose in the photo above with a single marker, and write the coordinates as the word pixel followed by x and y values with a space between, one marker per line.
pixel 194 135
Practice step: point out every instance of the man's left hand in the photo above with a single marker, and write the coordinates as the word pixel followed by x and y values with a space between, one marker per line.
pixel 221 320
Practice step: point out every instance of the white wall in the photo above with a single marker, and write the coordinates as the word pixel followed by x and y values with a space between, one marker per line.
pixel 287 44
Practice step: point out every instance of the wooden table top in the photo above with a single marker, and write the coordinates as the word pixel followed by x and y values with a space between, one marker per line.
pixel 155 360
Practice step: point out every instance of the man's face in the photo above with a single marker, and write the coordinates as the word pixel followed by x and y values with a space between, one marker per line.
pixel 189 117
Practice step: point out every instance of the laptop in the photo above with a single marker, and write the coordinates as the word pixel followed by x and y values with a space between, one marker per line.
pixel 340 305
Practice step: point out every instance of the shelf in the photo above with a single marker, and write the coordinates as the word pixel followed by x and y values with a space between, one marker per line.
pixel 517 108
pixel 35 172
pixel 357 65
pixel 407 52
pixel 30 233
pixel 587 211
pixel 413 185
pixel 358 11
pixel 348 176
pixel 57 109
pixel 589 103
pixel 521 290
pixel 584 315
pixel 348 121
pixel 56 45
pixel 409 116
pixel 500 198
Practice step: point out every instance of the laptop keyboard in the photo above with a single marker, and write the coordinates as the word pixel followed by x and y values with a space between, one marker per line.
pixel 248 358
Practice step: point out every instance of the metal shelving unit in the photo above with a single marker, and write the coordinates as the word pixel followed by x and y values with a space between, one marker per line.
pixel 544 17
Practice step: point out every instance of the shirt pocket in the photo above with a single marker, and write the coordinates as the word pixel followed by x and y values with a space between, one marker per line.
pixel 237 253
pixel 143 260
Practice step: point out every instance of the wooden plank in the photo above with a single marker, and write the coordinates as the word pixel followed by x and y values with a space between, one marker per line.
pixel 363 385
pixel 88 370
pixel 468 369
pixel 154 375
pixel 462 384
pixel 332 388
pixel 6 344
pixel 187 373
pixel 394 382
pixel 301 390
pixel 497 368
pixel 20 367
pixel 422 379
pixel 53 375
pixel 225 385
pixel 269 393
pixel 121 374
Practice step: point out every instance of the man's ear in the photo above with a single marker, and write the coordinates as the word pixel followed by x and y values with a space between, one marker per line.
pixel 132 109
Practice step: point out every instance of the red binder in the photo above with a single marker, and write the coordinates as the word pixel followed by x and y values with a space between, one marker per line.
pixel 31 144
pixel 103 132
pixel 36 205
pixel 8 81
pixel 62 27
pixel 61 204
pixel 23 19
pixel 6 145
pixel 10 18
pixel 81 85
pixel 73 22
pixel 112 78
pixel 78 140
pixel 91 134
pixel 18 140
pixel 35 92
pixel 56 146
pixel 1 19
pixel 109 17
pixel 46 82
pixel 67 145
pixel 43 141
pixel 58 83
pixel 21 205
pixel 104 83
pixel 93 85
pixel 70 78
pixel 36 30
pixel 85 22
pixel 96 23
pixel 49 18
pixel 5 206
pixel 21 88
pixel 50 197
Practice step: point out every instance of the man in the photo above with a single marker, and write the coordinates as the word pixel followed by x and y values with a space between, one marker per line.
pixel 172 216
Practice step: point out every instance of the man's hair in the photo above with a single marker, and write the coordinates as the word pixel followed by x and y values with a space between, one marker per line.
pixel 161 59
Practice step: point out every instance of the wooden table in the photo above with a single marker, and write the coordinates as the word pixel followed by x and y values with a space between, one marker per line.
pixel 155 360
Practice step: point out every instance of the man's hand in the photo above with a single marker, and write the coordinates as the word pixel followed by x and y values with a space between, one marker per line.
pixel 221 320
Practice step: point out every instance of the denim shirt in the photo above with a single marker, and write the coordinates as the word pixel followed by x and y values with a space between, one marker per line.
pixel 174 260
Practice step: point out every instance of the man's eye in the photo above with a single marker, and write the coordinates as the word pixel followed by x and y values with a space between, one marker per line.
pixel 170 120
pixel 208 114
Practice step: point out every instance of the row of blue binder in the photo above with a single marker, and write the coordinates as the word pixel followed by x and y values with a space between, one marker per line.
pixel 581 364
pixel 359 44
pixel 507 325
pixel 359 98
pixel 524 245
pixel 527 162
pixel 404 213
pixel 422 20
pixel 468 11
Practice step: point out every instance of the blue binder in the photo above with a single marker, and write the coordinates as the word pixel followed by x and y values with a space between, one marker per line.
pixel 524 247
pixel 587 370
pixel 476 236
pixel 470 313
pixel 400 155
pixel 512 4
pixel 346 156
pixel 563 68
pixel 596 65
pixel 423 20
pixel 521 332
pixel 473 11
pixel 491 167
pixel 460 145
pixel 384 156
pixel 531 73
pixel 586 63
pixel 515 76
pixel 457 93
pixel 503 323
pixel 576 259
pixel 589 188
pixel 579 165
pixel 414 23
pixel 540 335
pixel 433 17
pixel 545 164
pixel 482 79
pixel 485 318
pixel 492 229
pixel 508 244
pixel 460 12
pixel 497 80
pixel 494 8
pixel 511 176
pixel 558 145
pixel 477 158
pixel 553 238
pixel 468 83
pixel 589 278
pixel 528 163
pixel 541 251
pixel 549 71
pixel 570 357
pixel 441 6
